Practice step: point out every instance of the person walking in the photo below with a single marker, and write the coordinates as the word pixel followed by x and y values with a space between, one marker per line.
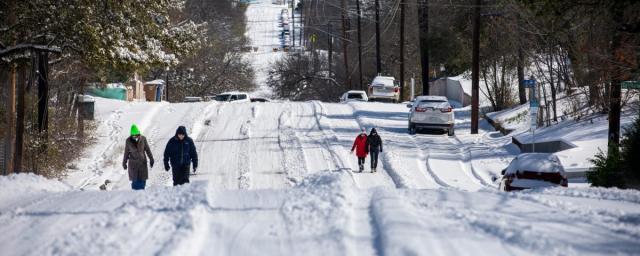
pixel 180 153
pixel 136 150
pixel 374 146
pixel 360 145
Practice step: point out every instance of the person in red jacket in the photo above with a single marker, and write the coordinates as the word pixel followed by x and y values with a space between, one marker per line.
pixel 360 145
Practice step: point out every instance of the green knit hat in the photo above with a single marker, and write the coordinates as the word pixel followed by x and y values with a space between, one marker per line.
pixel 134 130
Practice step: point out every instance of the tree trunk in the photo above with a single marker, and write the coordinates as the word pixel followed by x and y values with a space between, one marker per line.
pixel 43 92
pixel 522 92
pixel 11 120
pixel 17 156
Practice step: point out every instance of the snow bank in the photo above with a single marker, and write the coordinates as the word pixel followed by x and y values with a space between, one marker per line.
pixel 29 182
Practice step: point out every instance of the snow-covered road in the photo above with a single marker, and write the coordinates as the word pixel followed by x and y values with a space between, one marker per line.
pixel 275 178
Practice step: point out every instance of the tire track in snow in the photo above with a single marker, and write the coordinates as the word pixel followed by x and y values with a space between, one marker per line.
pixel 339 152
pixel 393 162
pixel 293 162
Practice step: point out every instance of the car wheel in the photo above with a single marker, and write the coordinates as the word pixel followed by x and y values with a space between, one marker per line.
pixel 412 128
pixel 451 132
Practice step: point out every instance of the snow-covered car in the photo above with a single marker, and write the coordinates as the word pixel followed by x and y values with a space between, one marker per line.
pixel 192 99
pixel 354 95
pixel 384 88
pixel 233 97
pixel 533 170
pixel 431 112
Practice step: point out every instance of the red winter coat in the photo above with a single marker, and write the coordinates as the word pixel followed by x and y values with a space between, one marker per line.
pixel 360 144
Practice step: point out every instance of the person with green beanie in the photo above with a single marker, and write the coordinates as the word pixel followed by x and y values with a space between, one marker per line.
pixel 136 151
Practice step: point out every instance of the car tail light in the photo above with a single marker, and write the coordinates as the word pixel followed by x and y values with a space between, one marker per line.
pixel 419 109
pixel 445 110
pixel 397 89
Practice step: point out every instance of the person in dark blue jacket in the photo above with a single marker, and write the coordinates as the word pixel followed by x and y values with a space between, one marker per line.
pixel 180 152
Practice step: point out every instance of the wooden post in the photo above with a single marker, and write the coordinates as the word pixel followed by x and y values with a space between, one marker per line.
pixel 423 13
pixel 345 46
pixel 359 45
pixel 475 69
pixel 402 90
pixel 378 58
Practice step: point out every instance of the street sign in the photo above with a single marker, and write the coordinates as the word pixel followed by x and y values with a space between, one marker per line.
pixel 631 85
pixel 529 83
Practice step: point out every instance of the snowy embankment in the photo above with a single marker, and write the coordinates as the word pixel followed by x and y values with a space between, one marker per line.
pixel 324 214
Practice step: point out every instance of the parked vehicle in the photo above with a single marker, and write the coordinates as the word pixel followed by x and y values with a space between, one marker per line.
pixel 533 170
pixel 192 99
pixel 233 97
pixel 354 95
pixel 431 112
pixel 260 100
pixel 384 88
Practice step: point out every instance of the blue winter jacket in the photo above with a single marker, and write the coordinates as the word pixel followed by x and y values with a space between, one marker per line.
pixel 180 153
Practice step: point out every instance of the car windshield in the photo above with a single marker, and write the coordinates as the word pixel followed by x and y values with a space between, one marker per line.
pixel 354 96
pixel 433 104
pixel 222 97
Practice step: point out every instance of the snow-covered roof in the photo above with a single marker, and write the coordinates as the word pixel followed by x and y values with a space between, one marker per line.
pixel 383 80
pixel 356 91
pixel 157 81
pixel 535 162
pixel 420 98
pixel 233 92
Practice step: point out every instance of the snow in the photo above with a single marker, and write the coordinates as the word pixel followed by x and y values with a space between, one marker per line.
pixel 263 32
pixel 277 178
pixel 588 136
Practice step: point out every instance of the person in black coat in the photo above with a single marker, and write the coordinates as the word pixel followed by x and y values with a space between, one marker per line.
pixel 180 153
pixel 374 145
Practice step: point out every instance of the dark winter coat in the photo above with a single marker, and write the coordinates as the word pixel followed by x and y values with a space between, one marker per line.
pixel 374 142
pixel 135 158
pixel 180 153
pixel 360 145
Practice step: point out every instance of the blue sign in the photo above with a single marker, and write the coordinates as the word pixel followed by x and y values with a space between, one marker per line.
pixel 529 83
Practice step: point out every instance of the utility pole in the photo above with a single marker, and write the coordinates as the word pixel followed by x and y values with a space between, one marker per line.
pixel 301 35
pixel 345 45
pixel 293 24
pixel 423 13
pixel 475 68
pixel 378 60
pixel 402 3
pixel 330 43
pixel 359 45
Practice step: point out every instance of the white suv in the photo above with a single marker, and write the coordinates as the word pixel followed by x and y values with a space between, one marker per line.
pixel 354 96
pixel 384 88
pixel 431 112
pixel 233 97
